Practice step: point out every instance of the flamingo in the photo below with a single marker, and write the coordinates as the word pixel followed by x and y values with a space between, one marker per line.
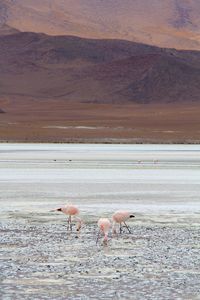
pixel 120 217
pixel 71 210
pixel 104 227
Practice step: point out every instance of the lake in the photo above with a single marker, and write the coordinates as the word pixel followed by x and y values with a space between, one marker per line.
pixel 40 259
pixel 143 178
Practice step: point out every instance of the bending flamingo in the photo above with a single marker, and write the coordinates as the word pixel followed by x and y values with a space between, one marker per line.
pixel 71 211
pixel 120 217
pixel 104 227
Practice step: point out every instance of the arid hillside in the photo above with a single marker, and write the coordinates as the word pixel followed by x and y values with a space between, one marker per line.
pixel 164 23
pixel 69 89
pixel 96 71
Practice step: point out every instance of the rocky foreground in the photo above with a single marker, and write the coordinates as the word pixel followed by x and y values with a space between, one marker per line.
pixel 39 259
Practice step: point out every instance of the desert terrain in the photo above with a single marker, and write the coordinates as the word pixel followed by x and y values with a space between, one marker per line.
pixel 60 121
pixel 69 89
pixel 114 76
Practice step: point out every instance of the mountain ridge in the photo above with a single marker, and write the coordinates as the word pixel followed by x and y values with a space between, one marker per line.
pixel 169 23
pixel 98 71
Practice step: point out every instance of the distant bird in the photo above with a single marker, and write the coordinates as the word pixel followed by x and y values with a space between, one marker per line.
pixel 120 217
pixel 104 227
pixel 71 211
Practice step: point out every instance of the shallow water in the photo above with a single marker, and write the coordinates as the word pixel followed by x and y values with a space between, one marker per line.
pixel 143 178
pixel 160 184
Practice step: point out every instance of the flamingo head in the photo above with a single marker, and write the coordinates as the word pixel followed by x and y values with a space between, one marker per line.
pixel 79 224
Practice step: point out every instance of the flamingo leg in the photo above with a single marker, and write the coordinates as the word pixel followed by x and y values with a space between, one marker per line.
pixel 98 236
pixel 70 222
pixel 128 228
pixel 120 228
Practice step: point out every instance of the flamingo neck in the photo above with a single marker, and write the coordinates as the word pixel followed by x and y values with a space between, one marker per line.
pixel 105 237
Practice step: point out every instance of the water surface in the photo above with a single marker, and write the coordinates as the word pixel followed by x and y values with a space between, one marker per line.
pixel 100 178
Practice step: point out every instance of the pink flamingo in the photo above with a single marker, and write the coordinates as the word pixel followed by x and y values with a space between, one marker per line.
pixel 71 210
pixel 120 217
pixel 104 227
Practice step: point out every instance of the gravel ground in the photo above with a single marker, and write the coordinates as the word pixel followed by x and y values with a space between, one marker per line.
pixel 39 259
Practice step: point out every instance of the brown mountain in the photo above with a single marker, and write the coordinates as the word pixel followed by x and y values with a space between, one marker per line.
pixel 99 71
pixel 58 87
pixel 165 23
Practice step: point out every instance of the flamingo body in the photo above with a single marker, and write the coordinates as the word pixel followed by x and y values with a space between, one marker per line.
pixel 104 227
pixel 120 217
pixel 71 210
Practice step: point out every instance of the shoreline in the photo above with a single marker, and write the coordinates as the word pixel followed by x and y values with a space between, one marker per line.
pixel 104 141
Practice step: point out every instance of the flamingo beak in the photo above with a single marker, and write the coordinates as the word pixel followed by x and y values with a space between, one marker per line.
pixel 56 209
pixel 132 216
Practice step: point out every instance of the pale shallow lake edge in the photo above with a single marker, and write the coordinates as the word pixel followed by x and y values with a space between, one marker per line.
pixel 39 259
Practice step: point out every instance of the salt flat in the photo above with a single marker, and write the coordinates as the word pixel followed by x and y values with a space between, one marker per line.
pixel 159 183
